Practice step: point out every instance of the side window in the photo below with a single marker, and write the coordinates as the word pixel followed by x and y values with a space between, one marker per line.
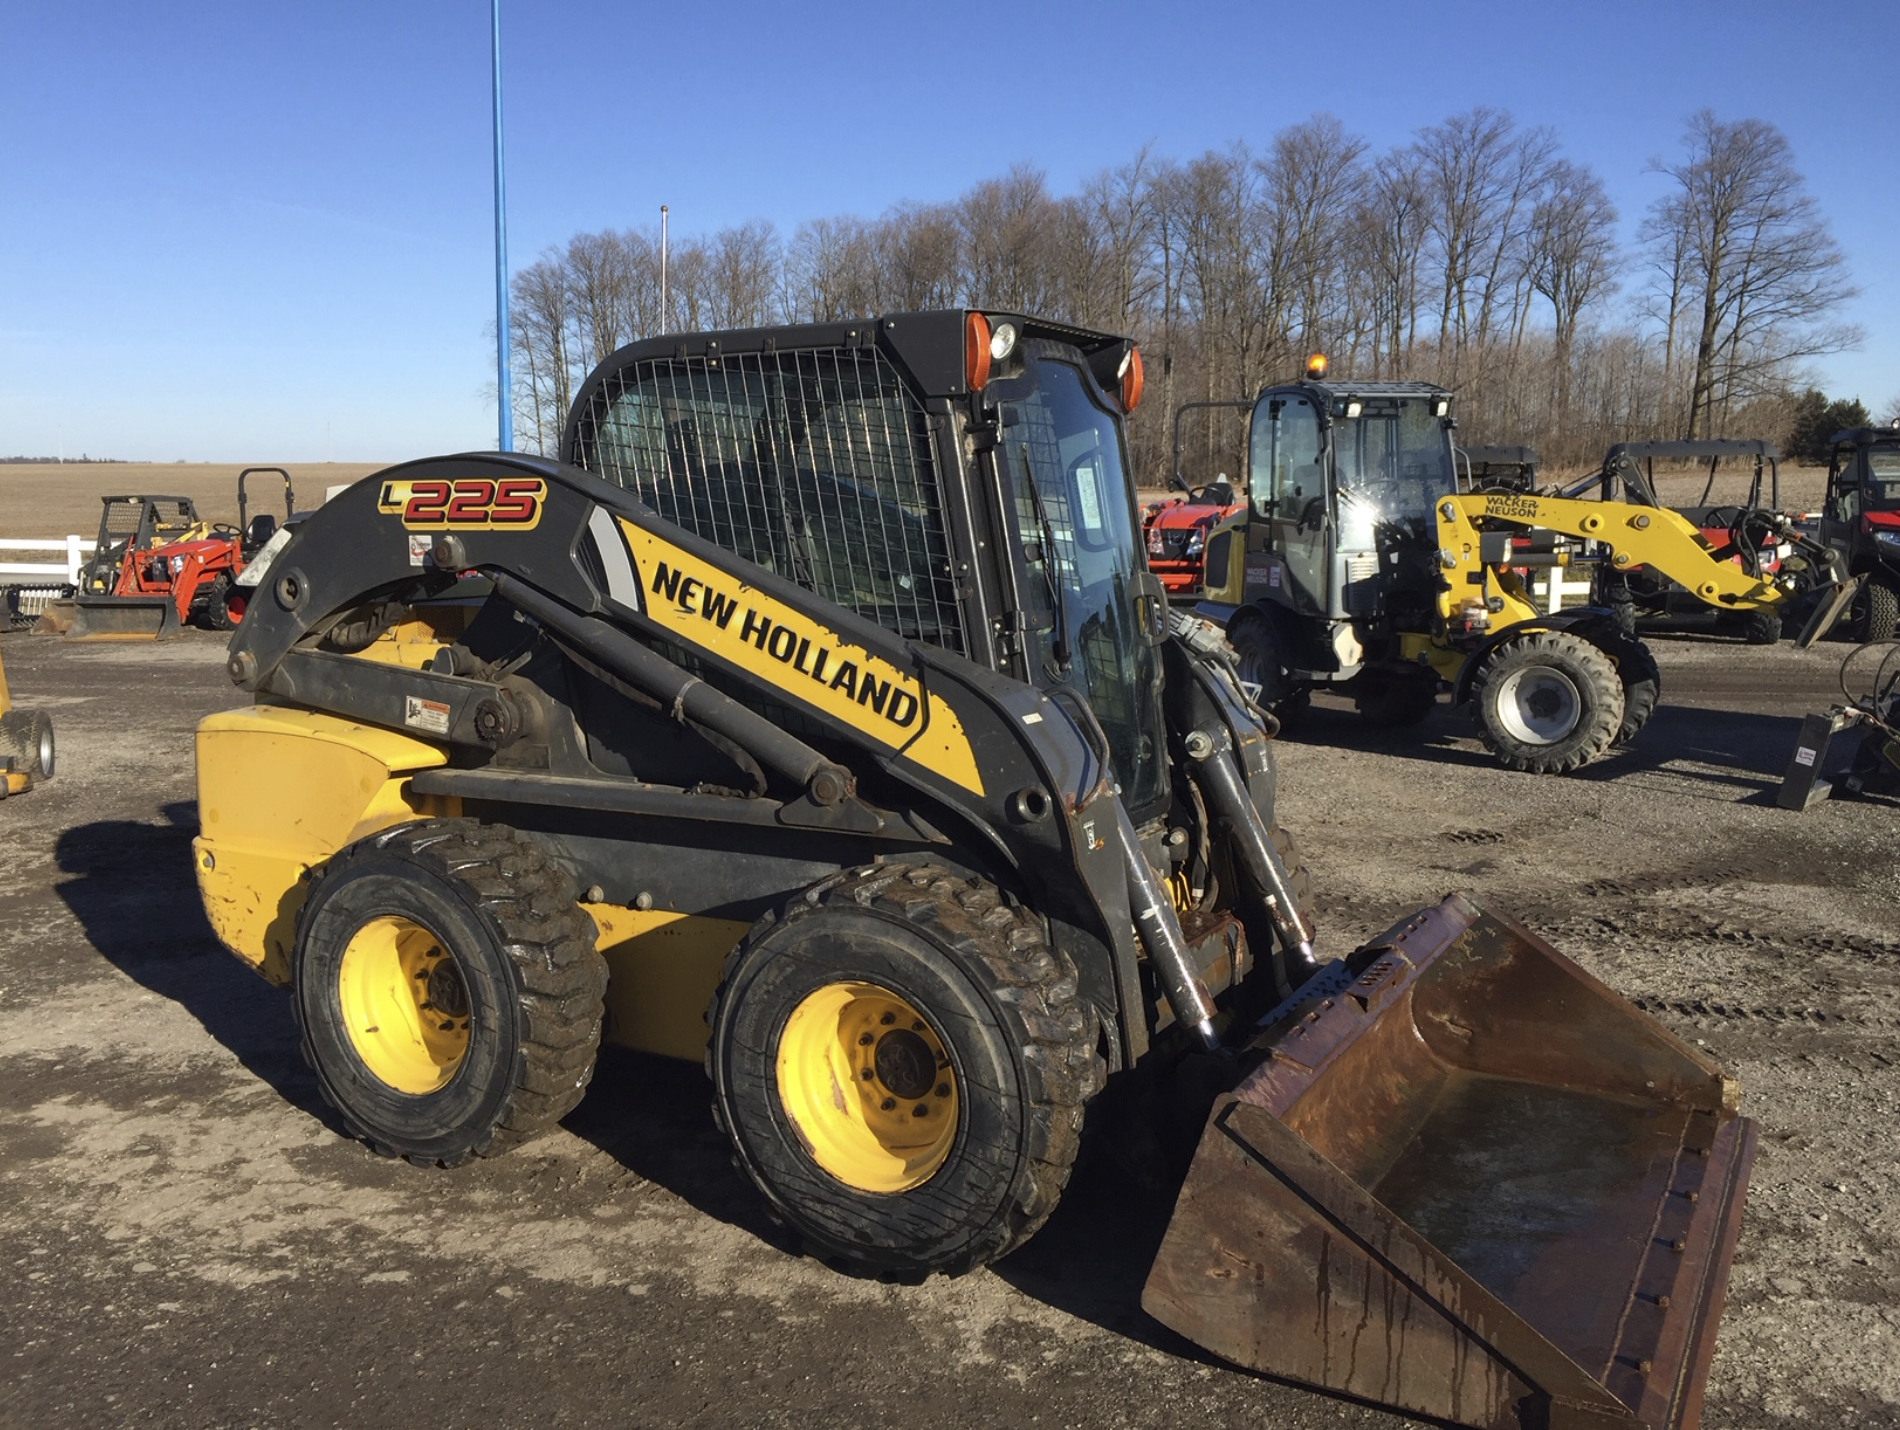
pixel 1283 466
pixel 1883 476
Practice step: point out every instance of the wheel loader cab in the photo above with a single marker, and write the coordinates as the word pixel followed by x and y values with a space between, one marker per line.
pixel 1338 541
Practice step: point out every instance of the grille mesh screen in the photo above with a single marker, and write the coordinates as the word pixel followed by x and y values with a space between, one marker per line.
pixel 814 463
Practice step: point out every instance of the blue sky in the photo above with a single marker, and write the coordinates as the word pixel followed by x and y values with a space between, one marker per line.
pixel 262 231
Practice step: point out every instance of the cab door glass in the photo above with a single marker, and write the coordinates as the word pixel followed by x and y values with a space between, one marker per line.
pixel 1284 461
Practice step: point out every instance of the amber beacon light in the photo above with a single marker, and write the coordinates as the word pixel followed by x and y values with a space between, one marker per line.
pixel 1316 366
pixel 976 352
pixel 1131 380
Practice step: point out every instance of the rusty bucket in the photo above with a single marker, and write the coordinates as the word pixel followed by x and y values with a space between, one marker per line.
pixel 1466 1180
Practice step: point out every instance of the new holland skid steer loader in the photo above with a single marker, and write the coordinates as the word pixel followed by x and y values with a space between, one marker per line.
pixel 815 715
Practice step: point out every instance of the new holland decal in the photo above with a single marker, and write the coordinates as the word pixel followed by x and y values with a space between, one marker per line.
pixel 468 504
pixel 712 610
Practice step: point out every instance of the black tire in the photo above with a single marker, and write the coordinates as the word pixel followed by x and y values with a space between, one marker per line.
pixel 27 736
pixel 1393 702
pixel 1876 611
pixel 216 615
pixel 996 1008
pixel 1636 671
pixel 520 953
pixel 1761 627
pixel 1547 703
pixel 1261 658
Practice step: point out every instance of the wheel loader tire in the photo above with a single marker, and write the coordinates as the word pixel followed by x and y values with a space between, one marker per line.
pixel 448 989
pixel 1393 702
pixel 1637 672
pixel 1877 611
pixel 901 1061
pixel 1260 654
pixel 1547 703
pixel 1760 627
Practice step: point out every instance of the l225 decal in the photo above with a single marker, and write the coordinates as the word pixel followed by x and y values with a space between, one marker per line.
pixel 467 504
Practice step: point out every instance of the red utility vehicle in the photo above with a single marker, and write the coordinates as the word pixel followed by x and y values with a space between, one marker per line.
pixel 157 564
pixel 1176 529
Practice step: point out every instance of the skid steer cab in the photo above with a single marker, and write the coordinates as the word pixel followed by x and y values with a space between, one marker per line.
pixel 1365 562
pixel 816 716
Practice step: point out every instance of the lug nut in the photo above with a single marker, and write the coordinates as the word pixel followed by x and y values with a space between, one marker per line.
pixel 920 1110
pixel 888 1019
pixel 866 1074
pixel 916 1025
pixel 864 1040
pixel 943 1089
pixel 887 1104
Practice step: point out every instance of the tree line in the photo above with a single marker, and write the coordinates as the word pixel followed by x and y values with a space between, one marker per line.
pixel 1477 256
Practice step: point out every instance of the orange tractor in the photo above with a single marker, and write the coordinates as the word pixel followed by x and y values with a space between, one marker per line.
pixel 158 565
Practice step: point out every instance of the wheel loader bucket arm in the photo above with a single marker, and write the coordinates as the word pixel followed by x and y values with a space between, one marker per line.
pixel 1632 535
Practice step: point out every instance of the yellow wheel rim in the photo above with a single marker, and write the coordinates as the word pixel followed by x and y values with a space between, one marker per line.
pixel 868 1087
pixel 404 1004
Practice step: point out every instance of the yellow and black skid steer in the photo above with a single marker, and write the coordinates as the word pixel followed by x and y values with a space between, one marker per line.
pixel 815 715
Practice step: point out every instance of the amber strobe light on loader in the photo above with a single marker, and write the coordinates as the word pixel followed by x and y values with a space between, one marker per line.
pixel 816 716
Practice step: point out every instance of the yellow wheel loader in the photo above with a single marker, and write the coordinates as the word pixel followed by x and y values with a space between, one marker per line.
pixel 816 716
pixel 26 744
pixel 1360 565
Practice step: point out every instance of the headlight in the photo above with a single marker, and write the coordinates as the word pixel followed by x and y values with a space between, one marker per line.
pixel 1156 546
pixel 178 564
pixel 1888 539
pixel 1197 541
pixel 1002 341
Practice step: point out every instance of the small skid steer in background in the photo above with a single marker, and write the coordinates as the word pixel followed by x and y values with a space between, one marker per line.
pixel 817 716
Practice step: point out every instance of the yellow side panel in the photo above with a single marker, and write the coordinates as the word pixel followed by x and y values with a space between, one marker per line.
pixel 709 609
pixel 280 791
pixel 662 971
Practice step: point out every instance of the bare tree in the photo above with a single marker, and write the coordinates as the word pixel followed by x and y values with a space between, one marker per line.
pixel 1759 270
pixel 1572 261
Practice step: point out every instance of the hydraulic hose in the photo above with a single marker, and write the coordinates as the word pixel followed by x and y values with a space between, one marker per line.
pixel 1161 935
pixel 1213 754
pixel 824 783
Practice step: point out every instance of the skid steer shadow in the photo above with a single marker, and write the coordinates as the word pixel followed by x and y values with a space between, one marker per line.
pixel 131 886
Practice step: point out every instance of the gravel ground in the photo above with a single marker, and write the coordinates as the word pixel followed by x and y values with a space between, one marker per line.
pixel 187 1239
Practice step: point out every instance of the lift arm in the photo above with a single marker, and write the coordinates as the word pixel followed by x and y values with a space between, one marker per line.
pixel 1475 553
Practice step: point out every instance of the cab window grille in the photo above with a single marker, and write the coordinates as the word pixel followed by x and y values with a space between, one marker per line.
pixel 814 463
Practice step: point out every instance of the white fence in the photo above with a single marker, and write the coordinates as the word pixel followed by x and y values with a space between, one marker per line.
pixel 74 549
pixel 1549 588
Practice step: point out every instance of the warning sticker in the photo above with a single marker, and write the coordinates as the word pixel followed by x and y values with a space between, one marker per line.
pixel 430 715
pixel 1804 756
pixel 419 543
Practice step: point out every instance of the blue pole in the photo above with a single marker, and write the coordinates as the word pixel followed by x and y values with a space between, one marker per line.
pixel 504 383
